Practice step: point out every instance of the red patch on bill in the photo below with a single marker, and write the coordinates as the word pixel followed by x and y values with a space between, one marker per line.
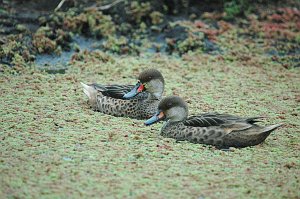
pixel 140 88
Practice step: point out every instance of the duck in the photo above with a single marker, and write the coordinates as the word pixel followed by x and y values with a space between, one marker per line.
pixel 220 130
pixel 137 101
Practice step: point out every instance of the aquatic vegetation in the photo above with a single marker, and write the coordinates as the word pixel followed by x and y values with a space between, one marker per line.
pixel 134 27
pixel 281 23
pixel 192 42
pixel 280 31
pixel 86 56
pixel 21 28
pixel 156 17
pixel 48 40
pixel 137 10
pixel 234 8
pixel 52 144
pixel 42 42
pixel 91 22
pixel 56 32
pixel 14 47
pixel 119 45
pixel 193 35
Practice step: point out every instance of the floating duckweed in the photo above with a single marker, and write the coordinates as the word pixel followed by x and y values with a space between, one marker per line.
pixel 156 17
pixel 97 24
pixel 138 10
pixel 47 40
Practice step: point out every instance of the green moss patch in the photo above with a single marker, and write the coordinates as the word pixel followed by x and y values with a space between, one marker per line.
pixel 54 146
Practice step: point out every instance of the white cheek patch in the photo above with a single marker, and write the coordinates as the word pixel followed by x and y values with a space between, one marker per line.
pixel 156 87
pixel 176 114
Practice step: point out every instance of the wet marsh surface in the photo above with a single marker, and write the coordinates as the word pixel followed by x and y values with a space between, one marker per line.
pixel 52 145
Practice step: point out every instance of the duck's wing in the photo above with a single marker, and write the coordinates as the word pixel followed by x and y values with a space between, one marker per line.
pixel 223 120
pixel 234 118
pixel 114 91
pixel 204 121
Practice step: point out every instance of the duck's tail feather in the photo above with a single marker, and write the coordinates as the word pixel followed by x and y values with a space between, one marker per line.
pixel 267 130
pixel 87 90
pixel 253 120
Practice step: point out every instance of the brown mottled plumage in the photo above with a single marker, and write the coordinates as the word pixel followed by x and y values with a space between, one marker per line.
pixel 138 101
pixel 221 130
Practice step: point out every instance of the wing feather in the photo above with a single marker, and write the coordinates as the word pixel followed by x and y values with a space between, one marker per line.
pixel 203 121
pixel 217 119
pixel 114 91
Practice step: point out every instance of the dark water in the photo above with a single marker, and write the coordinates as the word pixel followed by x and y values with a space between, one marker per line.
pixel 59 63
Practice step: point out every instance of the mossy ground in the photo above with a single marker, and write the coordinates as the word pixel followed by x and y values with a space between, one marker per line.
pixel 54 146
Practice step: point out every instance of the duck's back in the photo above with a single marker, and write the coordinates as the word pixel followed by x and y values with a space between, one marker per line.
pixel 138 108
pixel 109 99
pixel 220 130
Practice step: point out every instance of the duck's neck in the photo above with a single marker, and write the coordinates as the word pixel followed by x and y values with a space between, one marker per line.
pixel 156 89
pixel 155 96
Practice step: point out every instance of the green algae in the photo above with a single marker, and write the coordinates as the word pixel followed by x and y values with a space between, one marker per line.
pixel 15 48
pixel 57 32
pixel 119 45
pixel 156 17
pixel 137 10
pixel 54 146
pixel 131 27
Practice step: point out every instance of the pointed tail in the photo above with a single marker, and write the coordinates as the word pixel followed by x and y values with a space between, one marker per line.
pixel 253 120
pixel 88 90
pixel 266 131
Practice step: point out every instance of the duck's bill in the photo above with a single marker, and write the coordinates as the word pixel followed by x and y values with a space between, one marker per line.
pixel 155 118
pixel 139 87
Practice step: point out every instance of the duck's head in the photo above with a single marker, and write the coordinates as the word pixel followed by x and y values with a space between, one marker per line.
pixel 172 108
pixel 150 80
